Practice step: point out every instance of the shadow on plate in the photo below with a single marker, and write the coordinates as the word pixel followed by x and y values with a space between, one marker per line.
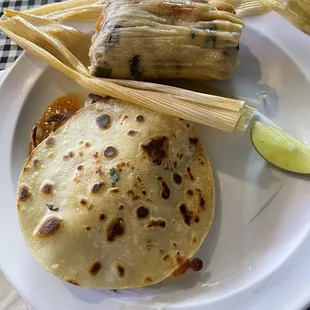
pixel 231 155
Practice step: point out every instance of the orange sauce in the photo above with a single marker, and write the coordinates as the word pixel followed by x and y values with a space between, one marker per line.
pixel 55 114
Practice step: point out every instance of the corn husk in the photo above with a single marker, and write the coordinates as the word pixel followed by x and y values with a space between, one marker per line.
pixel 66 49
pixel 296 11
pixel 67 10
pixel 249 7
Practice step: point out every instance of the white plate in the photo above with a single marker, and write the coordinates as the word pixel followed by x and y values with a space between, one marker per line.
pixel 257 253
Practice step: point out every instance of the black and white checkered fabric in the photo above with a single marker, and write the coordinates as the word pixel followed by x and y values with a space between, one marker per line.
pixel 9 51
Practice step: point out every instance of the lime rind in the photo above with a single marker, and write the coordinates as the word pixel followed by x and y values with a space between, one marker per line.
pixel 280 149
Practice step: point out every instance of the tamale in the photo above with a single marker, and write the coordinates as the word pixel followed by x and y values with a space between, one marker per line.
pixel 151 39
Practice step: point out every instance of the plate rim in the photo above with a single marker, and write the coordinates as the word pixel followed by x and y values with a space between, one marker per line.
pixel 279 38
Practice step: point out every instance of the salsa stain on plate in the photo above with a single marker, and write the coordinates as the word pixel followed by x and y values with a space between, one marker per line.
pixel 56 113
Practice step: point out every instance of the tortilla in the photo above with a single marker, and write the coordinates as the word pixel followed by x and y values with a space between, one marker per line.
pixel 117 197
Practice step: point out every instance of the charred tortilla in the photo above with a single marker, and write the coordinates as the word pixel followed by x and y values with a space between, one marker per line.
pixel 117 197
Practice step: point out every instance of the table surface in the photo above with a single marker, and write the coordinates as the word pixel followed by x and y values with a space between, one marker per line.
pixel 9 51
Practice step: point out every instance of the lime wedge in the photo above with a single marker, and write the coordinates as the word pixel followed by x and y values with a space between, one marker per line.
pixel 280 149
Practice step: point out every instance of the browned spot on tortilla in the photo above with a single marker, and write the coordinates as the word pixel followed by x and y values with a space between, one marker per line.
pixel 132 133
pixel 81 153
pixel 165 191
pixel 87 144
pixel 26 169
pixel 135 197
pixel 51 207
pixel 99 171
pixel 188 169
pixel 186 214
pixel 177 178
pixel 157 149
pixel 144 192
pixel 202 202
pixel 123 165
pixel 80 167
pixel 166 257
pixel 24 193
pixel 190 192
pixel 142 212
pixel 161 251
pixel 159 178
pixel 180 154
pixel 83 202
pixel 125 117
pixel 49 141
pixel 121 271
pixel 157 223
pixel 114 190
pixel 103 121
pixel 194 239
pixel 94 268
pixel 196 219
pixel 88 228
pixel 193 140
pixel 116 228
pixel 102 217
pixel 71 281
pixel 121 207
pixel 174 244
pixel 95 155
pixel 49 226
pixel 70 154
pixel 149 244
pixel 140 119
pixel 148 280
pixel 110 152
pixel 90 207
pixel 187 125
pixel 97 187
pixel 47 188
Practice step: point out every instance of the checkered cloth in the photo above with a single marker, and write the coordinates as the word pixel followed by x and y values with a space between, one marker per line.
pixel 9 51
